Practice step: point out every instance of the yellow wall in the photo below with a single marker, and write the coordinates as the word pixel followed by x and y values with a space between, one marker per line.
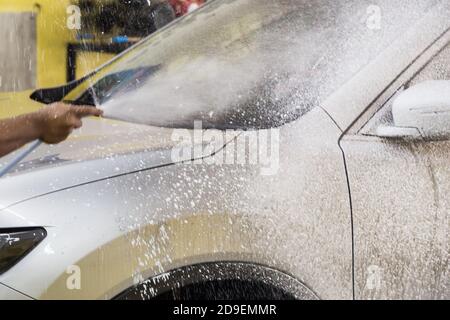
pixel 16 103
pixel 53 36
pixel 89 61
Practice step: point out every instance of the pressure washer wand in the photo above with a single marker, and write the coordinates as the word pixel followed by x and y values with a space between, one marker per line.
pixel 19 157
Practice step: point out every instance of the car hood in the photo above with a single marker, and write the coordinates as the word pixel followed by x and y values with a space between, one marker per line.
pixel 100 150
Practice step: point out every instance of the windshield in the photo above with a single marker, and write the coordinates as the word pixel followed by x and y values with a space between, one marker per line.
pixel 248 63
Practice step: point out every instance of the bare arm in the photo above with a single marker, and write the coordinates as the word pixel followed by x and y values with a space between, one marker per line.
pixel 12 138
pixel 52 124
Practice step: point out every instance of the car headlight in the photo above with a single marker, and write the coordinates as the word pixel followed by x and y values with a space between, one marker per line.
pixel 17 243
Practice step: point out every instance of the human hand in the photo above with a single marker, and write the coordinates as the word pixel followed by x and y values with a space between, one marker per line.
pixel 57 121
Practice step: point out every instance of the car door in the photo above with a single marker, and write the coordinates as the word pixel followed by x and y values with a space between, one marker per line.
pixel 399 190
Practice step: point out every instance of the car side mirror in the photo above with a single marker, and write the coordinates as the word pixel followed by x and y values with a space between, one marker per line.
pixel 422 111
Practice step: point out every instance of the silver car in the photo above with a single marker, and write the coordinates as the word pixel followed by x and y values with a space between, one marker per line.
pixel 282 149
